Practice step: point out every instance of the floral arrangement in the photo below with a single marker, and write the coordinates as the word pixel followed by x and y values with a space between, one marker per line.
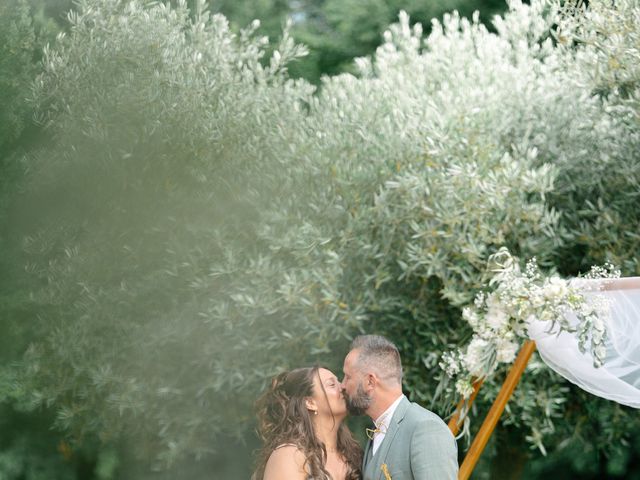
pixel 499 317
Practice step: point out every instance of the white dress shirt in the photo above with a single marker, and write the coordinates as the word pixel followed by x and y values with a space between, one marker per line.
pixel 382 424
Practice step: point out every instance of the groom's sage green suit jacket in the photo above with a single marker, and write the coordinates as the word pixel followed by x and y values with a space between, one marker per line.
pixel 417 445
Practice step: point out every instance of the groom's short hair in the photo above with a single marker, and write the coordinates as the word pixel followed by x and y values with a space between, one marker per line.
pixel 377 353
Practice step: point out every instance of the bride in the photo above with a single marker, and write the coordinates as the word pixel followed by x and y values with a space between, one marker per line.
pixel 301 424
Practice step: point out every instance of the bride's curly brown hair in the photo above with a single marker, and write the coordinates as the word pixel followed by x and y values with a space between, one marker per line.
pixel 283 418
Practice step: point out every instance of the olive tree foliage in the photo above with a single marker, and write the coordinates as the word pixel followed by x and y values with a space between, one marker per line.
pixel 200 221
pixel 466 140
pixel 599 182
pixel 441 168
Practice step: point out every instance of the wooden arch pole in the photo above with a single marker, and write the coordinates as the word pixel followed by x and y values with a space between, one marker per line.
pixel 491 420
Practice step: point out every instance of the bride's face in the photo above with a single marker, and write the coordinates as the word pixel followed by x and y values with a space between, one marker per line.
pixel 334 403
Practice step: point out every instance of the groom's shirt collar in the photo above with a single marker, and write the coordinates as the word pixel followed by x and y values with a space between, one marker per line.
pixel 382 423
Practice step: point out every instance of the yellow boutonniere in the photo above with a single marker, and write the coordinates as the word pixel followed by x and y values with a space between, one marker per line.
pixel 385 470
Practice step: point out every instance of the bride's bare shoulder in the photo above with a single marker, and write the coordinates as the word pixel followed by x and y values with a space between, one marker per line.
pixel 286 461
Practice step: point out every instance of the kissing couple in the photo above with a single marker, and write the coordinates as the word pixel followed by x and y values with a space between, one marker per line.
pixel 301 423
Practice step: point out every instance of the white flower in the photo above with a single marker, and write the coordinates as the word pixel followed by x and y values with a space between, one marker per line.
pixel 475 358
pixel 479 300
pixel 506 351
pixel 496 317
pixel 450 364
pixel 555 289
pixel 537 298
pixel 470 315
pixel 464 387
pixel 547 315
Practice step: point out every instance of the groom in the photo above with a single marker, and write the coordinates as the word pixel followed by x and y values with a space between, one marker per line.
pixel 408 441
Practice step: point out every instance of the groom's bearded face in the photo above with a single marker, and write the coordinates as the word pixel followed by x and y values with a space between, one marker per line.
pixel 358 403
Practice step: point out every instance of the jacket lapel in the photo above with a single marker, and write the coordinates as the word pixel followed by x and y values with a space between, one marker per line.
pixel 381 454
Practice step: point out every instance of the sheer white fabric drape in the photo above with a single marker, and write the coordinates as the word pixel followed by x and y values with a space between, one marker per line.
pixel 619 378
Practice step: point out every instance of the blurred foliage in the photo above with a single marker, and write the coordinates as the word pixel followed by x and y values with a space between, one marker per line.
pixel 192 220
pixel 17 70
pixel 106 251
pixel 335 31
pixel 28 451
